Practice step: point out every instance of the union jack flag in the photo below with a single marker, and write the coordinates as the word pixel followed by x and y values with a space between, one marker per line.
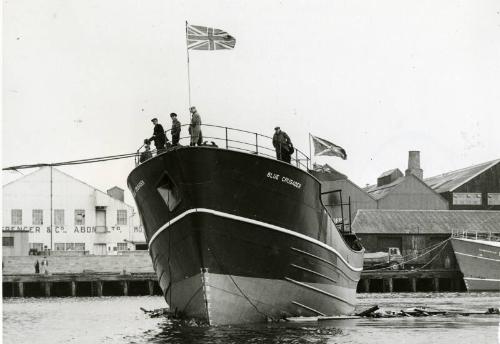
pixel 208 38
pixel 324 147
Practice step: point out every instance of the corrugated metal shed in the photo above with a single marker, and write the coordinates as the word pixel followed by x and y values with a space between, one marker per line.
pixel 371 221
pixel 449 181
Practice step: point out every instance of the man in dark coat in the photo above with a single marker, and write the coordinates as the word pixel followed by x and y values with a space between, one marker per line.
pixel 282 144
pixel 176 129
pixel 159 136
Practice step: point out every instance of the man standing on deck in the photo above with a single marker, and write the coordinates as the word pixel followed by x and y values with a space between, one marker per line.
pixel 176 129
pixel 283 145
pixel 195 127
pixel 158 135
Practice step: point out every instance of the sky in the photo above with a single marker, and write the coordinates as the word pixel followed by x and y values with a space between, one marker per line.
pixel 83 78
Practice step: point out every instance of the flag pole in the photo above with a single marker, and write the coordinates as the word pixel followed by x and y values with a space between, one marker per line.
pixel 189 76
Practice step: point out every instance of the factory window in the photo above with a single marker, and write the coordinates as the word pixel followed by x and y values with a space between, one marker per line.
pixel 79 246
pixel 70 246
pixel 8 241
pixel 59 246
pixel 121 246
pixel 79 217
pixel 121 217
pixel 59 217
pixel 37 246
pixel 16 217
pixel 37 216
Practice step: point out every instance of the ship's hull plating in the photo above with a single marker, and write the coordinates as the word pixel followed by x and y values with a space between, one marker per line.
pixel 479 262
pixel 238 244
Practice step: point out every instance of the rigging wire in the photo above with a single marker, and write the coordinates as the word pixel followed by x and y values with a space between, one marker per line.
pixel 74 162
pixel 442 243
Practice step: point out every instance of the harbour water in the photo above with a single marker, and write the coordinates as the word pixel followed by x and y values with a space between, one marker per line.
pixel 120 320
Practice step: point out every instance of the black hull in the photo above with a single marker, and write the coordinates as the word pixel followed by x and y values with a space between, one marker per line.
pixel 223 217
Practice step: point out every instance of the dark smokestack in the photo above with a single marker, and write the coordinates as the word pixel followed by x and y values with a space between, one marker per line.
pixel 414 165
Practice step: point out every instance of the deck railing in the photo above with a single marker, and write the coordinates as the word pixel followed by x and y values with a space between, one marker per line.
pixel 235 139
pixel 476 235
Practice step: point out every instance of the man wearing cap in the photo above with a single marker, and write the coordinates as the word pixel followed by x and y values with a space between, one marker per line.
pixel 158 135
pixel 176 129
pixel 282 144
pixel 195 127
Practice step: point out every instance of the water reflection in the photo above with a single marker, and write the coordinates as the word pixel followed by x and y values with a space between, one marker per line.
pixel 261 333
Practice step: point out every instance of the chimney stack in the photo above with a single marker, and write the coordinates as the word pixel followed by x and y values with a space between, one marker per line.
pixel 116 193
pixel 414 165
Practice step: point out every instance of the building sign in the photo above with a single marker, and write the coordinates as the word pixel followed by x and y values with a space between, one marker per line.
pixel 493 198
pixel 463 198
pixel 61 229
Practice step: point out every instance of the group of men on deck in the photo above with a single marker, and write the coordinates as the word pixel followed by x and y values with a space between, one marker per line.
pixel 281 141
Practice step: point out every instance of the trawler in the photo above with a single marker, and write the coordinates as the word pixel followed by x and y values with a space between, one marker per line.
pixel 478 256
pixel 237 236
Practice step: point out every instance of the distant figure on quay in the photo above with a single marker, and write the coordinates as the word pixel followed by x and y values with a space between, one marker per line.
pixel 45 266
pixel 283 145
pixel 37 267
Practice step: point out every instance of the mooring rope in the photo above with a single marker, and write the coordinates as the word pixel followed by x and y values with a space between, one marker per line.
pixel 431 248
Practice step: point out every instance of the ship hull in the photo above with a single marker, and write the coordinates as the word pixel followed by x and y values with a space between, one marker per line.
pixel 479 262
pixel 236 245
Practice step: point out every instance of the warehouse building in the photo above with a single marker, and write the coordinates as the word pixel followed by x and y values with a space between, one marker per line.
pixel 475 187
pixel 49 210
pixel 397 191
pixel 414 232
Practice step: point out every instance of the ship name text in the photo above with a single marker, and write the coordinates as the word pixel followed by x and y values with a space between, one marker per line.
pixel 138 187
pixel 284 179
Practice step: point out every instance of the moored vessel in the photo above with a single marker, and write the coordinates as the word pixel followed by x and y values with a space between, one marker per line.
pixel 236 236
pixel 478 256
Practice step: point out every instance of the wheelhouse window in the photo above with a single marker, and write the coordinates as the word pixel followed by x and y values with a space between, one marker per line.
pixel 80 217
pixel 37 216
pixel 16 217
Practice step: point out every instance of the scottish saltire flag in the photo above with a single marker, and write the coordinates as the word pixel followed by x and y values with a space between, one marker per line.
pixel 324 147
pixel 208 38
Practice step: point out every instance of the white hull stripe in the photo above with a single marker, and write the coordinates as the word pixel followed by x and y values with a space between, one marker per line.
pixel 482 279
pixel 473 256
pixel 251 221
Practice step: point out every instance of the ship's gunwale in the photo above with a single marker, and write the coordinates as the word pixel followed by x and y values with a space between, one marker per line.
pixel 257 223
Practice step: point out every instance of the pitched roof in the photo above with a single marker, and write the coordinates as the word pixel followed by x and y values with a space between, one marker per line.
pixel 377 221
pixel 388 173
pixel 379 192
pixel 449 181
pixel 71 177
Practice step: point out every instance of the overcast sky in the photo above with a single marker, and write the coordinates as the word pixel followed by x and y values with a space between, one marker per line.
pixel 83 78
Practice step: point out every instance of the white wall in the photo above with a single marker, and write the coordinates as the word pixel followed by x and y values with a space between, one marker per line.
pixel 33 192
